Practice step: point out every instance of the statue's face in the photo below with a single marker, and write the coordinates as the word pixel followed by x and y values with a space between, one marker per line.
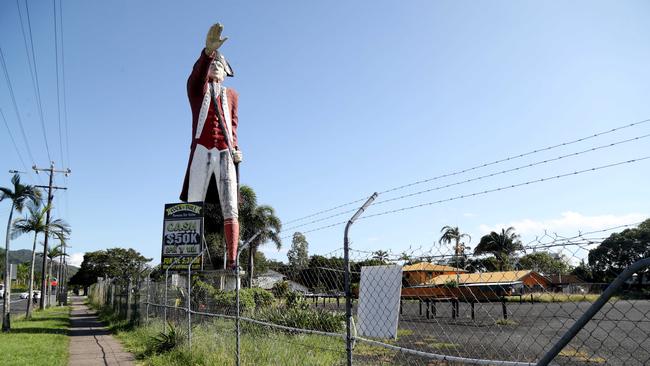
pixel 217 71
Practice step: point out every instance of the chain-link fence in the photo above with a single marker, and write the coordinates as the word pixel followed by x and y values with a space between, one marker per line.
pixel 428 306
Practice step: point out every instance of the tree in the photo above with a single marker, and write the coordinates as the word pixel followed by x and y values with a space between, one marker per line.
pixel 254 219
pixel 406 258
pixel 380 256
pixel 52 253
pixel 583 271
pixel 619 251
pixel 19 194
pixel 453 235
pixel 35 222
pixel 544 263
pixel 61 274
pixel 502 245
pixel 489 264
pixel 120 264
pixel 298 254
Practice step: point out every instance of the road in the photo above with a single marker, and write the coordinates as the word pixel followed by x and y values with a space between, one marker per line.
pixel 18 305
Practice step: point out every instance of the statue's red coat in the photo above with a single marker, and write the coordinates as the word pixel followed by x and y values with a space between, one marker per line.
pixel 211 136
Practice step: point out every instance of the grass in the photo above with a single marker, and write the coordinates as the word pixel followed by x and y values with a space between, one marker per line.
pixel 545 297
pixel 40 341
pixel 581 356
pixel 213 343
pixel 505 322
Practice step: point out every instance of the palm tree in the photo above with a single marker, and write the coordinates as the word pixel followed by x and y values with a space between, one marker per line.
pixel 63 244
pixel 51 254
pixel 502 245
pixel 406 257
pixel 19 195
pixel 36 222
pixel 381 256
pixel 254 219
pixel 453 235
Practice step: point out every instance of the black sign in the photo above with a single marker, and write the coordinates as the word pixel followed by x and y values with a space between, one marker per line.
pixel 182 236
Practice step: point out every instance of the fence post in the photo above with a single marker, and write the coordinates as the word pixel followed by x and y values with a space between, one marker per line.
pixel 165 300
pixel 189 299
pixel 237 288
pixel 348 292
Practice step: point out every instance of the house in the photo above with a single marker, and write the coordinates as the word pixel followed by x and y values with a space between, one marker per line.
pixel 269 278
pixel 420 273
pixel 475 287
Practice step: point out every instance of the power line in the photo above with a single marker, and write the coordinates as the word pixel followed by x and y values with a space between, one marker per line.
pixel 505 171
pixel 563 144
pixel 13 99
pixel 38 90
pixel 65 108
pixel 58 96
pixel 480 193
pixel 11 136
pixel 65 105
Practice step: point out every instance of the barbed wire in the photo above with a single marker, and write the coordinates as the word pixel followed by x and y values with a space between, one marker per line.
pixel 563 144
pixel 545 161
pixel 480 193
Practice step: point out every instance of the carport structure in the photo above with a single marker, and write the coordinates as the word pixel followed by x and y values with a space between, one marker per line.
pixel 474 288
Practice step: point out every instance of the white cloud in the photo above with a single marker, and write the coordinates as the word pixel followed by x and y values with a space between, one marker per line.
pixel 569 222
pixel 75 259
pixel 271 249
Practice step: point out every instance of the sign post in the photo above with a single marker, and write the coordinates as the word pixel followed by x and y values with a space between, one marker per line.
pixel 182 236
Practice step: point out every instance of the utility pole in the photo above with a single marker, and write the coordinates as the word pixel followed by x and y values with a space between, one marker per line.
pixel 50 197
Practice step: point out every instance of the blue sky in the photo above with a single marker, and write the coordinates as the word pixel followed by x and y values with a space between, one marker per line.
pixel 338 100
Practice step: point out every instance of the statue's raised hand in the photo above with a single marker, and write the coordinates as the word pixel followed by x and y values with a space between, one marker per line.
pixel 213 40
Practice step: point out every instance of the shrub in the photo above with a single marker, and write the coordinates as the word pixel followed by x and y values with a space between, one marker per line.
pixel 165 342
pixel 261 297
pixel 228 299
pixel 280 289
pixel 249 298
pixel 296 300
pixel 314 319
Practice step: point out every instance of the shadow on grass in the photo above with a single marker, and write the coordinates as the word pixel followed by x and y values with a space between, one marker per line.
pixel 43 319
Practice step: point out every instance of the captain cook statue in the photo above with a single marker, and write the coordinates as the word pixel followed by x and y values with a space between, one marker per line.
pixel 214 150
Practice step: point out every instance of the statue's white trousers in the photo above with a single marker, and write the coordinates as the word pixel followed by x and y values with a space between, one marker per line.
pixel 205 163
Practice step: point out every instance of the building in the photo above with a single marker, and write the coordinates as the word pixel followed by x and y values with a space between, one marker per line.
pixel 476 287
pixel 269 278
pixel 421 273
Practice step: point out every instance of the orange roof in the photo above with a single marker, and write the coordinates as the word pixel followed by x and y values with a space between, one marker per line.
pixel 486 277
pixel 425 266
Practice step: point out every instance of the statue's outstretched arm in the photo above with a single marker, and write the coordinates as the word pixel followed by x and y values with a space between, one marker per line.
pixel 213 40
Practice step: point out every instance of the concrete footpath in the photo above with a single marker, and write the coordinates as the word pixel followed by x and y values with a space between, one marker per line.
pixel 90 342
